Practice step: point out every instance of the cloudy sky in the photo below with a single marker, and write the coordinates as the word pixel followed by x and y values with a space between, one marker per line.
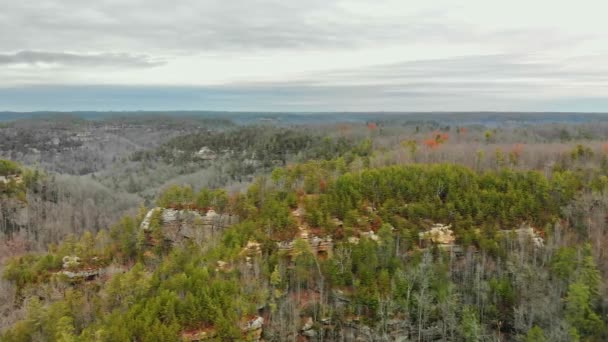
pixel 314 55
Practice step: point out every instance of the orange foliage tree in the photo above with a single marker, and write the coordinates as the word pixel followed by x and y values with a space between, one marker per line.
pixel 437 139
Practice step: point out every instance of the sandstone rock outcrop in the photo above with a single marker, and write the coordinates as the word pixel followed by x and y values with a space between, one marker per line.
pixel 352 329
pixel 199 335
pixel 205 153
pixel 440 234
pixel 253 328
pixel 178 225
pixel 74 270
pixel 319 246
pixel 526 232
pixel 11 178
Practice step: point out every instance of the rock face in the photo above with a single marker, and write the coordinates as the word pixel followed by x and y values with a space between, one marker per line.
pixel 354 330
pixel 199 335
pixel 223 266
pixel 322 247
pixel 440 234
pixel 72 268
pixel 178 225
pixel 253 248
pixel 526 232
pixel 84 274
pixel 205 153
pixel 145 224
pixel 11 178
pixel 252 329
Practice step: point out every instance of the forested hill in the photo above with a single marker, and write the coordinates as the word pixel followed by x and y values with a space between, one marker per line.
pixel 15 183
pixel 335 250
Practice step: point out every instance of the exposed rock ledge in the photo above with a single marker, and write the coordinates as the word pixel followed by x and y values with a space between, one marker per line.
pixel 178 225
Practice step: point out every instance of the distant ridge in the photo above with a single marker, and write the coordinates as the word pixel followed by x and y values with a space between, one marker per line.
pixel 329 117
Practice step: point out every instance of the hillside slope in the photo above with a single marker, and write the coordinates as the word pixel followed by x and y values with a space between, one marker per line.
pixel 318 251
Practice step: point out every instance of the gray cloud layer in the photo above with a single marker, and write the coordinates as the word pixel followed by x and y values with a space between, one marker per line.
pixel 211 25
pixel 481 77
pixel 78 60
pixel 502 66
pixel 183 25
pixel 479 82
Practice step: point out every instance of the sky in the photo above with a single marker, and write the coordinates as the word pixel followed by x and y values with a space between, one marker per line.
pixel 314 55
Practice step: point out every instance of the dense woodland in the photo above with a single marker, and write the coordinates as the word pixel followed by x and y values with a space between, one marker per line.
pixel 330 236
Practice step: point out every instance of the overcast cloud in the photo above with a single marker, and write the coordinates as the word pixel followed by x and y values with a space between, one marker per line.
pixel 304 55
pixel 117 60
